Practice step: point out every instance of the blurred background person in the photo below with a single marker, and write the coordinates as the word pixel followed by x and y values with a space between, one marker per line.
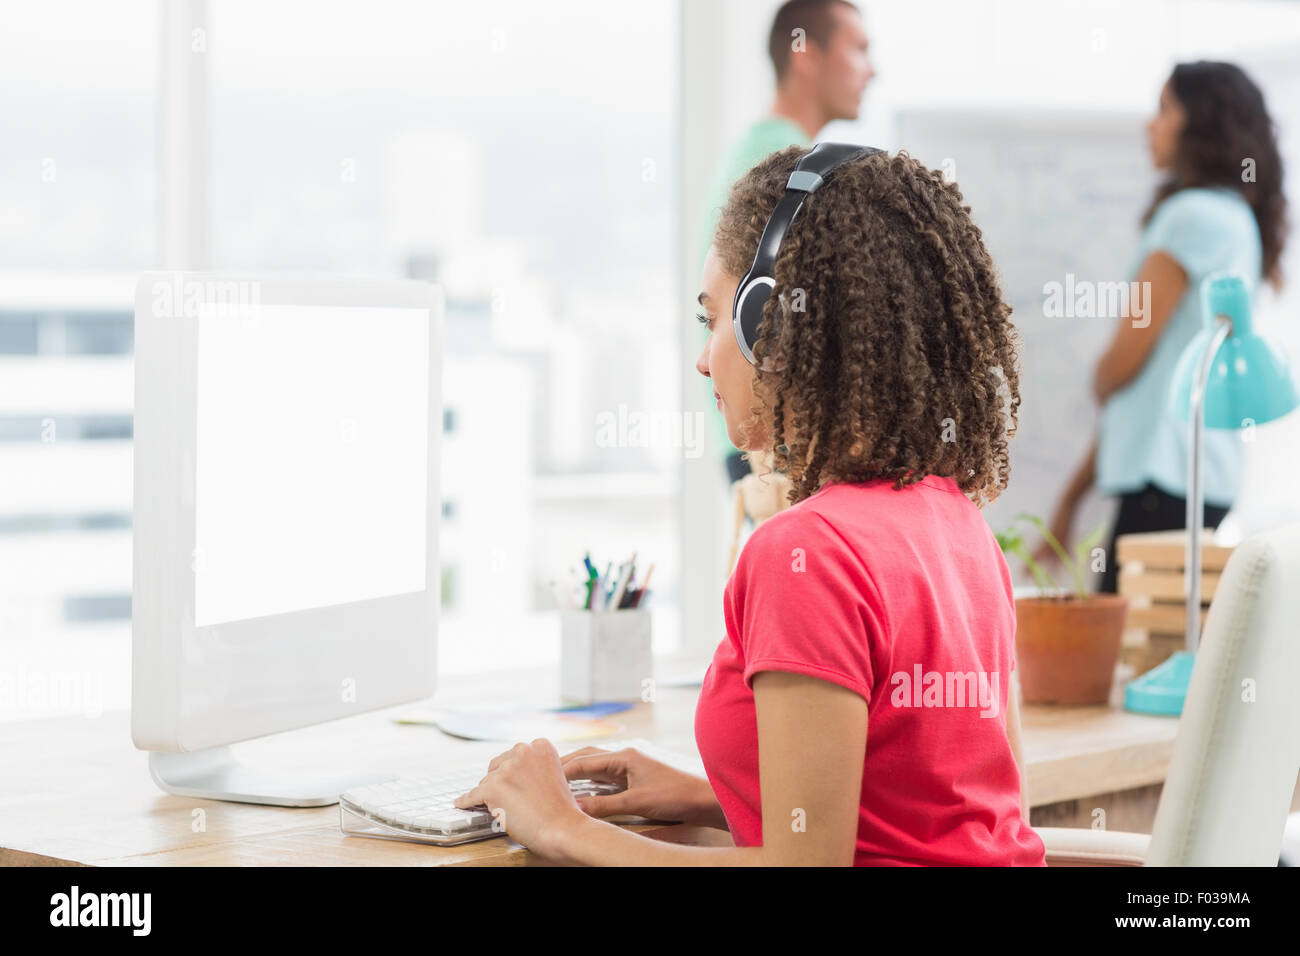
pixel 1220 207
pixel 818 50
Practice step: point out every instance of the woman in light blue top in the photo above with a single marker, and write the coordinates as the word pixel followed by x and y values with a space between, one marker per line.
pixel 1221 207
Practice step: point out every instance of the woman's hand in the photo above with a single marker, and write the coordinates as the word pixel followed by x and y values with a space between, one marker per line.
pixel 528 796
pixel 651 789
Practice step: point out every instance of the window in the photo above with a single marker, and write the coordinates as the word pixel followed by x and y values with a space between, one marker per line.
pixel 77 220
pixel 523 160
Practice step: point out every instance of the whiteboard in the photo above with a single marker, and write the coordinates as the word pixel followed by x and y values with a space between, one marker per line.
pixel 1054 193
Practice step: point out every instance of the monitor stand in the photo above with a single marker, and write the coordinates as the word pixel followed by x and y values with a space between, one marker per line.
pixel 215 774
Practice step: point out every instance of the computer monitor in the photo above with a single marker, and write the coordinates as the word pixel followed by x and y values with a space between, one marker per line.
pixel 286 516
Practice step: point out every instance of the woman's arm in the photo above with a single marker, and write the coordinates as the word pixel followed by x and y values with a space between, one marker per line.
pixel 1013 736
pixel 1084 477
pixel 812 738
pixel 1162 282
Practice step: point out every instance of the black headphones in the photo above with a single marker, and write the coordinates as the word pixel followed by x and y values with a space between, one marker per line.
pixel 756 287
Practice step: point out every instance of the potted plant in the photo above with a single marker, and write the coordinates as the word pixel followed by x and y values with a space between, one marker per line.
pixel 1067 641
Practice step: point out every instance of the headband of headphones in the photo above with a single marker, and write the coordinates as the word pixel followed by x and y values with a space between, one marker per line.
pixel 756 287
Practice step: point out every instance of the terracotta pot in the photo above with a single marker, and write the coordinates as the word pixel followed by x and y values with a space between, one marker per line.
pixel 1067 647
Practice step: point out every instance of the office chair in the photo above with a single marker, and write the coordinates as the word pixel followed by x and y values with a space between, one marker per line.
pixel 1226 798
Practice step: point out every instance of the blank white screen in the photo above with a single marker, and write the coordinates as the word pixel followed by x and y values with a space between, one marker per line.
pixel 311 475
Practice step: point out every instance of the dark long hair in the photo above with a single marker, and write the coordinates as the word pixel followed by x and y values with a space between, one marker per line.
pixel 1227 124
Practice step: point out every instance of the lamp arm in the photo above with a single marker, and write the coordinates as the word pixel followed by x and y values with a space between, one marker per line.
pixel 1195 493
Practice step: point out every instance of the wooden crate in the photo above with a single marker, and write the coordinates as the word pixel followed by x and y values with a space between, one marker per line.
pixel 1151 567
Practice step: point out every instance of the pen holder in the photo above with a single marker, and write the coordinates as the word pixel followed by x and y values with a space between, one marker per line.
pixel 604 655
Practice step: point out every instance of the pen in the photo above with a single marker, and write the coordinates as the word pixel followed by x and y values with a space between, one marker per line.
pixel 640 594
pixel 593 580
pixel 607 586
pixel 615 590
pixel 624 576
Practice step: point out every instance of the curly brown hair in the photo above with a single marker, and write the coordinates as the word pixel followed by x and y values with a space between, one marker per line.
pixel 897 358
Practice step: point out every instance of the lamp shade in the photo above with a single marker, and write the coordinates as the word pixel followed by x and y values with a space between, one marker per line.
pixel 1251 380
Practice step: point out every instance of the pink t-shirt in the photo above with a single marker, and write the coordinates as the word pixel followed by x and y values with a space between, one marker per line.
pixel 904 598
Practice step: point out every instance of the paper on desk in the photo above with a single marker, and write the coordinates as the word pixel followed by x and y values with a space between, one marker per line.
pixel 692 679
pixel 581 723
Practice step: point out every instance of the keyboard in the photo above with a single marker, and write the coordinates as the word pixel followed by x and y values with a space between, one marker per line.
pixel 420 808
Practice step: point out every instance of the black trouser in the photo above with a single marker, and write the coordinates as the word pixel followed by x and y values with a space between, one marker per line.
pixel 1151 509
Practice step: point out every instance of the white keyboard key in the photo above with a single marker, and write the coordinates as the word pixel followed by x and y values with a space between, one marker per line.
pixel 422 807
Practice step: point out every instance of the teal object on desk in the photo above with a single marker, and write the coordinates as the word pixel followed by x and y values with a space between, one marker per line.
pixel 1250 381
pixel 1229 376
pixel 1162 689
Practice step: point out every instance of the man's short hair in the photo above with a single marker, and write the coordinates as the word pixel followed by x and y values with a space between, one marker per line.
pixel 814 17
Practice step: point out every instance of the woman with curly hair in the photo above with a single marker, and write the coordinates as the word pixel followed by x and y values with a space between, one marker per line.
pixel 860 708
pixel 1220 207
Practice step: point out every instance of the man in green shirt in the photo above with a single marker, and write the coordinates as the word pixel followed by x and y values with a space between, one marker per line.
pixel 819 53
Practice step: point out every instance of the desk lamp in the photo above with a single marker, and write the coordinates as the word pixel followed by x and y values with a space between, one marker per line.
pixel 1228 377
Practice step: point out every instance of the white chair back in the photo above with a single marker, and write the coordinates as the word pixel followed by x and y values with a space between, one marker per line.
pixel 1234 767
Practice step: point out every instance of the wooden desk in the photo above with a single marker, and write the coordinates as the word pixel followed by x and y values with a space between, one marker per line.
pixel 1085 759
pixel 75 791
pixel 1081 759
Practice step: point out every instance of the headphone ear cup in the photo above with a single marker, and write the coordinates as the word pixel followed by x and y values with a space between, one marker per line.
pixel 749 313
